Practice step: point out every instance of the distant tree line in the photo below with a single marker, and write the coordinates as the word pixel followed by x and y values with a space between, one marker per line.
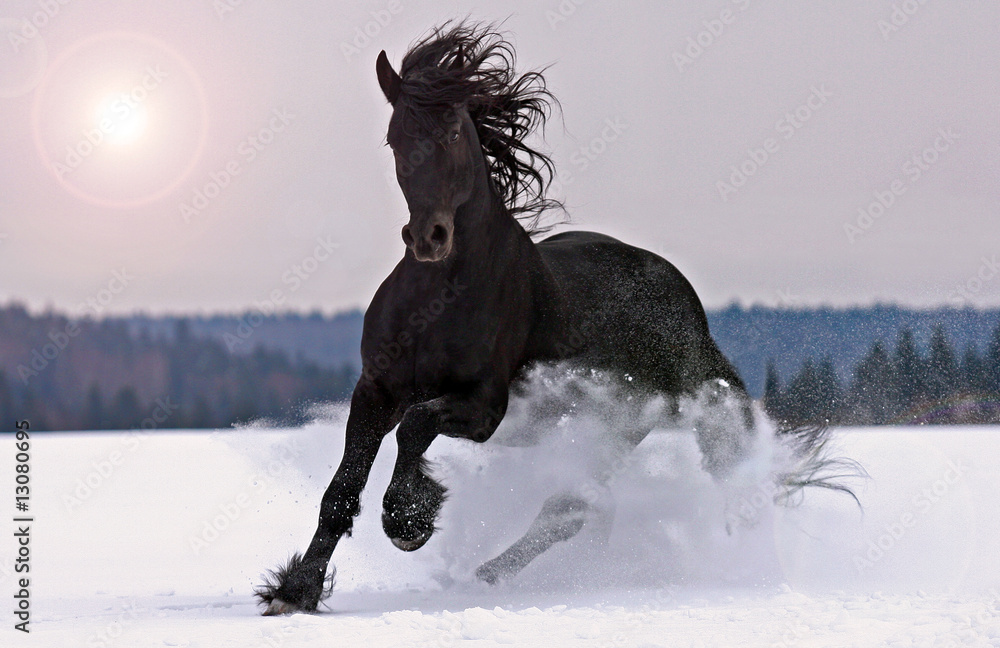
pixel 63 374
pixel 177 372
pixel 750 336
pixel 903 384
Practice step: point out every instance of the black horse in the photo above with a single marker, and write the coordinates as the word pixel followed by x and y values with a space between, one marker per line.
pixel 475 302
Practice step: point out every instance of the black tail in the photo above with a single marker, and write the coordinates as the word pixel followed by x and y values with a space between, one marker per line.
pixel 809 445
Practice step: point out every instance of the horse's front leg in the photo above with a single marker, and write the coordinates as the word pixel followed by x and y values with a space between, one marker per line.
pixel 413 500
pixel 302 583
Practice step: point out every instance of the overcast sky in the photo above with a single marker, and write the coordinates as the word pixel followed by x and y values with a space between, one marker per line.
pixel 186 156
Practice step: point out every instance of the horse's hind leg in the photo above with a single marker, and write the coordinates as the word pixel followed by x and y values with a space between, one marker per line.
pixel 725 431
pixel 724 427
pixel 562 516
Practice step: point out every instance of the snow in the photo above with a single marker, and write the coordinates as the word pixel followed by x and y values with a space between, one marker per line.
pixel 158 539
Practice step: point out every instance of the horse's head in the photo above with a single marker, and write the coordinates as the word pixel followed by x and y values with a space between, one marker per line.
pixel 459 122
pixel 436 150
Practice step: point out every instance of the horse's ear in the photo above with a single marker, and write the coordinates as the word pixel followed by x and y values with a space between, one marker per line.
pixel 388 80
pixel 459 60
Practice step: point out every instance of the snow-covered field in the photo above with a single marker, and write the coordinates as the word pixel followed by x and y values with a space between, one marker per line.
pixel 158 540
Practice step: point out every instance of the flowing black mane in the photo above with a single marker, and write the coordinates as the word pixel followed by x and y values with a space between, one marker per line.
pixel 473 64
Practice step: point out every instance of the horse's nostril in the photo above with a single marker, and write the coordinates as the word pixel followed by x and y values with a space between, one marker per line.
pixel 439 235
pixel 407 237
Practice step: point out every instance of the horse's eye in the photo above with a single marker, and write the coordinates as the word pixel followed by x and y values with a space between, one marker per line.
pixel 454 136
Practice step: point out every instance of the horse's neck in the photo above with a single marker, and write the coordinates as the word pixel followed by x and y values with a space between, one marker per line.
pixel 491 245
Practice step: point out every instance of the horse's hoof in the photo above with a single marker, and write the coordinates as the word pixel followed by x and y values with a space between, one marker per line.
pixel 410 545
pixel 487 575
pixel 277 607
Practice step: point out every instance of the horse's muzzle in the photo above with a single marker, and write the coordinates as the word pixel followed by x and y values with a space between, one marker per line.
pixel 431 240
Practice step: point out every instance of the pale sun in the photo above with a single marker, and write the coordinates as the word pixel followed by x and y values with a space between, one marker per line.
pixel 121 119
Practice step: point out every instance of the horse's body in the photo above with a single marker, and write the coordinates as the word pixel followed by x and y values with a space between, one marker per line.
pixel 631 312
pixel 581 297
pixel 475 302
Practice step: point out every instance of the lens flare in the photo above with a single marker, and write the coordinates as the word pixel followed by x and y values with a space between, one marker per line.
pixel 120 119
